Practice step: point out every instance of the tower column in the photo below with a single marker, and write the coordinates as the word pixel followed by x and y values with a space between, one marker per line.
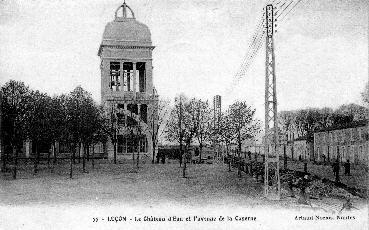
pixel 121 76
pixel 139 110
pixel 134 79
pixel 125 114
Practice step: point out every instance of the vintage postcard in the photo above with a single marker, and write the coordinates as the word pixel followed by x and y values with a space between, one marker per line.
pixel 184 114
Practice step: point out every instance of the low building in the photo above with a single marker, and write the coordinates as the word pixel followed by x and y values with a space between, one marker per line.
pixel 345 142
pixel 302 148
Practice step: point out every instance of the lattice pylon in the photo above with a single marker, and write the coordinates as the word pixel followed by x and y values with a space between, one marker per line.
pixel 272 186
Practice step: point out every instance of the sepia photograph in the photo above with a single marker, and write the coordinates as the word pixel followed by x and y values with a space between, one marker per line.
pixel 184 114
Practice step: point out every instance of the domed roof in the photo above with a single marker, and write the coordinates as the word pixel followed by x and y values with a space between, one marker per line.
pixel 126 31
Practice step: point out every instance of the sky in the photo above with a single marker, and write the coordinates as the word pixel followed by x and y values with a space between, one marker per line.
pixel 321 48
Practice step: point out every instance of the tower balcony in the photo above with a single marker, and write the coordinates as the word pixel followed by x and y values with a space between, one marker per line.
pixel 131 96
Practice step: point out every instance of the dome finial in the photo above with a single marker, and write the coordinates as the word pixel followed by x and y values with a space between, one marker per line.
pixel 124 7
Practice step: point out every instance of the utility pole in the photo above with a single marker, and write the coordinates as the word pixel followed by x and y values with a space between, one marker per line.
pixel 272 186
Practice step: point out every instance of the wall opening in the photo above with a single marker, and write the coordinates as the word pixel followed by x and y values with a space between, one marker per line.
pixel 115 83
pixel 141 69
pixel 127 76
pixel 143 112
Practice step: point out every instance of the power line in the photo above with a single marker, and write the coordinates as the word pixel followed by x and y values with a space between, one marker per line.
pixel 255 49
pixel 245 66
pixel 290 10
pixel 255 35
pixel 257 38
pixel 253 44
pixel 282 10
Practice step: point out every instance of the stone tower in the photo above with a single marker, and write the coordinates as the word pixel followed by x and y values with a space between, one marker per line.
pixel 127 91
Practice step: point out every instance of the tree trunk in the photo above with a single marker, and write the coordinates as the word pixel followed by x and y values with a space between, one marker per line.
pixel 36 158
pixel 88 152
pixel 55 155
pixel 180 157
pixel 71 164
pixel 138 153
pixel 184 168
pixel 239 155
pixel 200 152
pixel 48 158
pixel 229 158
pixel 115 152
pixel 79 152
pixel 180 152
pixel 74 153
pixel 285 158
pixel 185 163
pixel 292 151
pixel 93 156
pixel 84 158
pixel 3 156
pixel 153 151
pixel 15 154
pixel 133 154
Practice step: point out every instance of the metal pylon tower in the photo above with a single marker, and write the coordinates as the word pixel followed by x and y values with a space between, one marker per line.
pixel 272 186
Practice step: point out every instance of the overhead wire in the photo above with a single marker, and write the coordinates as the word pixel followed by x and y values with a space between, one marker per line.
pixel 293 7
pixel 284 3
pixel 259 35
pixel 252 48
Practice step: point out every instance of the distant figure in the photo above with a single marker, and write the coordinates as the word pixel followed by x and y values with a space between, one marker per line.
pixel 347 167
pixel 197 152
pixel 290 186
pixel 180 158
pixel 300 158
pixel 163 158
pixel 323 156
pixel 336 170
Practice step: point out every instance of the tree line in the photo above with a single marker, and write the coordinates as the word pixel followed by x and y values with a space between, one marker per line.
pixel 303 122
pixel 74 119
pixel 193 120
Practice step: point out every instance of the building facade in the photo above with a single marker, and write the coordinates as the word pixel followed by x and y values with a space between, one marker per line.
pixel 302 149
pixel 127 92
pixel 349 142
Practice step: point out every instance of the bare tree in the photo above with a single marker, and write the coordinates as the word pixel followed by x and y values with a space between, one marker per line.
pixel 159 113
pixel 82 118
pixel 174 130
pixel 204 130
pixel 225 134
pixel 183 125
pixel 244 125
pixel 109 127
pixel 286 121
pixel 15 100
pixel 190 125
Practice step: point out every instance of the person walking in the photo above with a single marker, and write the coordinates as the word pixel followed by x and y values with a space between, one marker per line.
pixel 347 168
pixel 336 170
